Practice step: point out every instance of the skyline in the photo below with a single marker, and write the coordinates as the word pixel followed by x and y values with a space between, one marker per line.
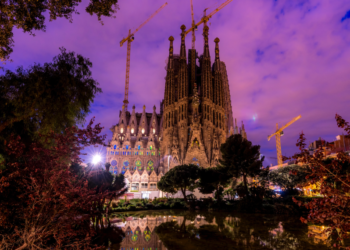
pixel 280 57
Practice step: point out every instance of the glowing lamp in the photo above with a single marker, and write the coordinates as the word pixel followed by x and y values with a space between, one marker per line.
pixel 96 159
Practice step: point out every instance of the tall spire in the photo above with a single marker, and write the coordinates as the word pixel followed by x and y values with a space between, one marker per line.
pixel 206 45
pixel 170 77
pixel 183 46
pixel 171 54
pixel 217 57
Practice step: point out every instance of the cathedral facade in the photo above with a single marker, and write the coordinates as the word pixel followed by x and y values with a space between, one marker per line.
pixel 195 119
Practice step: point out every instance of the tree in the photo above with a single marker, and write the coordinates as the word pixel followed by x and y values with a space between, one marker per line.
pixel 180 178
pixel 214 179
pixel 46 98
pixel 28 16
pixel 103 181
pixel 333 178
pixel 45 199
pixel 241 158
pixel 282 177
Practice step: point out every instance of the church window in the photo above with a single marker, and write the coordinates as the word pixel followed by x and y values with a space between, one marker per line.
pixel 147 234
pixel 121 130
pixel 144 185
pixel 115 171
pixel 195 159
pixel 150 163
pixel 147 153
pixel 115 146
pixel 132 130
pixel 123 170
pixel 114 163
pixel 150 147
pixel 138 163
pixel 112 152
pixel 143 131
pixel 126 163
pixel 141 153
pixel 127 146
pixel 138 147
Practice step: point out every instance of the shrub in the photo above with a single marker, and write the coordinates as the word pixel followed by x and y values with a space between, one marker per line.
pixel 149 206
pixel 131 207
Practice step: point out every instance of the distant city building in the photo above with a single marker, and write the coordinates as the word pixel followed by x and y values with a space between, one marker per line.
pixel 195 119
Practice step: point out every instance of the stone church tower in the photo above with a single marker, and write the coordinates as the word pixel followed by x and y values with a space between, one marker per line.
pixel 195 119
pixel 197 111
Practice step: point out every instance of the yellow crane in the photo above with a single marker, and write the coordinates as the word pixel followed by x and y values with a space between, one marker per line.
pixel 129 39
pixel 278 134
pixel 194 27
pixel 204 19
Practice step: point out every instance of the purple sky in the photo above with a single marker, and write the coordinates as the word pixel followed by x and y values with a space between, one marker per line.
pixel 284 58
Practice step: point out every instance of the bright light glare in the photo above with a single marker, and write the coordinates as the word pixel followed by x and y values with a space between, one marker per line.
pixel 96 159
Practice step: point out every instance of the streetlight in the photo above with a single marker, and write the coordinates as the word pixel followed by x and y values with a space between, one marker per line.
pixel 96 159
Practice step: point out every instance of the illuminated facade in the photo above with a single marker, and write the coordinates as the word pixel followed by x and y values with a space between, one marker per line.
pixel 195 119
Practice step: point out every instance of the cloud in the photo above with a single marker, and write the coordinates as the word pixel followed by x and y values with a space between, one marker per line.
pixel 284 58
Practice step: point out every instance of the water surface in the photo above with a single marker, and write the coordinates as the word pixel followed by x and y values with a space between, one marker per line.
pixel 185 230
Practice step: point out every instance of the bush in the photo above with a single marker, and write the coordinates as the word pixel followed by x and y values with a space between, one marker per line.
pixel 177 204
pixel 159 206
pixel 131 207
pixel 140 208
pixel 149 206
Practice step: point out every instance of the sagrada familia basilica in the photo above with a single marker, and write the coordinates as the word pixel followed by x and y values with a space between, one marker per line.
pixel 195 118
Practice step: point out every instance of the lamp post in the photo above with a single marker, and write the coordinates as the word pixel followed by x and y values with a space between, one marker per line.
pixel 96 159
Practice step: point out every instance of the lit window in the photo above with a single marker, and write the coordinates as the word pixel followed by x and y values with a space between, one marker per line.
pixel 138 147
pixel 143 131
pixel 154 131
pixel 127 146
pixel 121 130
pixel 115 146
pixel 132 130
pixel 150 147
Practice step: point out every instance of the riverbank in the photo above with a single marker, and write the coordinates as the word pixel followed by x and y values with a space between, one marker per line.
pixel 266 206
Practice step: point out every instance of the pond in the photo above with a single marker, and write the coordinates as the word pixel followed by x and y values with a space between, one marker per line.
pixel 185 230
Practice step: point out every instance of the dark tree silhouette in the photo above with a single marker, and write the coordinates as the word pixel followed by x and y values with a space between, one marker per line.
pixel 241 158
pixel 180 178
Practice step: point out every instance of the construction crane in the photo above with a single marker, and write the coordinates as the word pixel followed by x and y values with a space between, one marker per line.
pixel 194 27
pixel 129 39
pixel 278 134
pixel 205 18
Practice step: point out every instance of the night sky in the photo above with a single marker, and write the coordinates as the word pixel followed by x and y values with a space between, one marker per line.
pixel 284 58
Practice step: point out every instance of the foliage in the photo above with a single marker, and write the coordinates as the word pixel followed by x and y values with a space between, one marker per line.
pixel 241 158
pixel 45 204
pixel 333 177
pixel 103 181
pixel 214 179
pixel 180 178
pixel 283 178
pixel 46 98
pixel 28 16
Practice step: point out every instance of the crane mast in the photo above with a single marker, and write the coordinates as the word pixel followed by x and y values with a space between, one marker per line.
pixel 277 134
pixel 129 39
pixel 193 26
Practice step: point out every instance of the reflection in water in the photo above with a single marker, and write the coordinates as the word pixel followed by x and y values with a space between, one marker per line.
pixel 204 230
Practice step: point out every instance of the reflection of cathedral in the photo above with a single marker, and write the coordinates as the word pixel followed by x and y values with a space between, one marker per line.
pixel 139 234
pixel 195 119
